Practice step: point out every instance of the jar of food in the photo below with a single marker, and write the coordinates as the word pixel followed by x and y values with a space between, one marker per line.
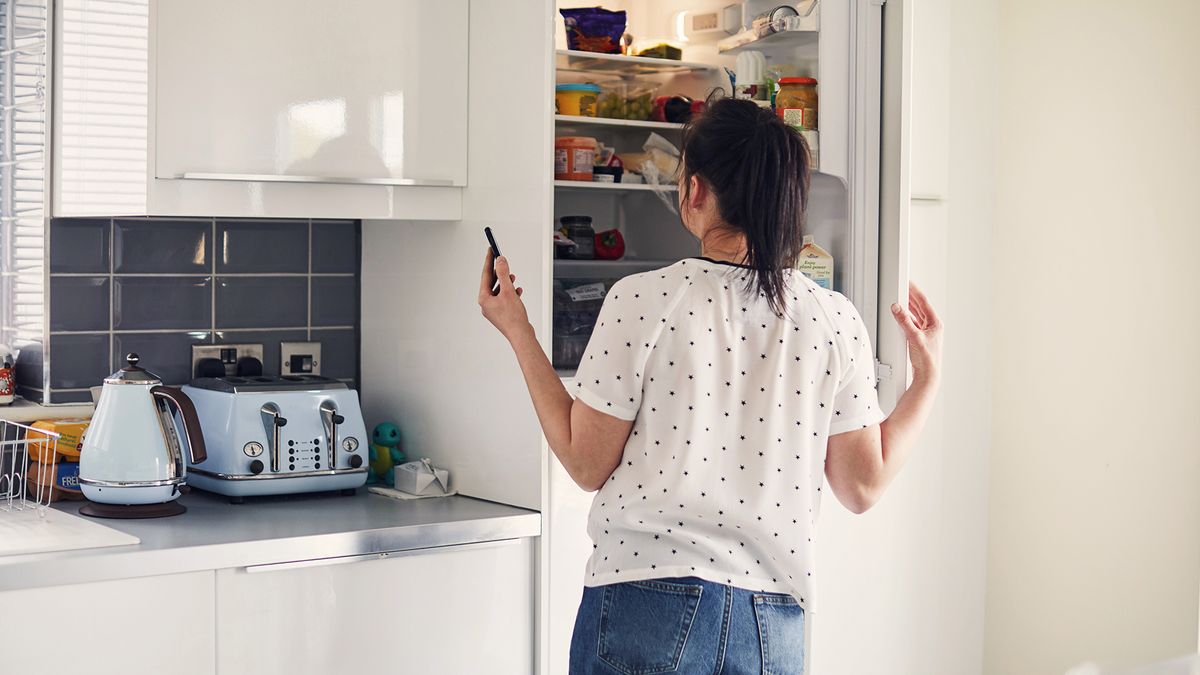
pixel 8 380
pixel 796 102
pixel 576 99
pixel 574 157
pixel 579 230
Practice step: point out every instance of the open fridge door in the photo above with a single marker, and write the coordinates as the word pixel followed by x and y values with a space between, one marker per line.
pixel 894 196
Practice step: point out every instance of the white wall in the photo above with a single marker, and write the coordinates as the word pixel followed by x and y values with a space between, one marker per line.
pixel 431 362
pixel 1094 538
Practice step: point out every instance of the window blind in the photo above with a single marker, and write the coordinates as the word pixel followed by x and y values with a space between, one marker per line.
pixel 23 82
pixel 103 102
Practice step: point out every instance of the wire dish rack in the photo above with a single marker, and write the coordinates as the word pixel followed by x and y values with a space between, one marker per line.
pixel 28 467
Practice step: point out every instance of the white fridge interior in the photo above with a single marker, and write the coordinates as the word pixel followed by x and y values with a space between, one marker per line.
pixel 653 234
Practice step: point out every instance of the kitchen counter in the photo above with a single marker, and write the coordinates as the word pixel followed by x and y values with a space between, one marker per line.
pixel 25 412
pixel 215 534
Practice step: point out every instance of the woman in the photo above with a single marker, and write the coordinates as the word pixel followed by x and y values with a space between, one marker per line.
pixel 713 398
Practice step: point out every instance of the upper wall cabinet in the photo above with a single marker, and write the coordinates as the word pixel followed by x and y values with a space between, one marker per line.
pixel 268 108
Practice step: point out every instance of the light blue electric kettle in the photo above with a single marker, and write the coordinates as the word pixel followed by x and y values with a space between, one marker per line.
pixel 131 452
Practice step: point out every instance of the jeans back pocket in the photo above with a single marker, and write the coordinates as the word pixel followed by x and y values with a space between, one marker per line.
pixel 780 633
pixel 644 625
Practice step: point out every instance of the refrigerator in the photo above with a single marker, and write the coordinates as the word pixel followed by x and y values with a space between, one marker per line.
pixel 859 51
pixel 433 365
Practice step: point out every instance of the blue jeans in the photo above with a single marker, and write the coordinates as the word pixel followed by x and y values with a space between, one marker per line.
pixel 686 625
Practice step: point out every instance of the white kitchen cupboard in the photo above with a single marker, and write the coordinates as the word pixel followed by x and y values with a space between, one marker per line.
pixel 271 108
pixel 162 624
pixel 454 610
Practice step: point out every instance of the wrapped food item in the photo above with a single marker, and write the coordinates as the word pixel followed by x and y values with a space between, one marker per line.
pixel 662 50
pixel 594 29
pixel 70 440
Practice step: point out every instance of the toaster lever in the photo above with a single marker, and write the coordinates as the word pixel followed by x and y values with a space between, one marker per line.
pixel 330 419
pixel 272 421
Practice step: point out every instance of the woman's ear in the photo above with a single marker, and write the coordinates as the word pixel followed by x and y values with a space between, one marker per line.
pixel 697 193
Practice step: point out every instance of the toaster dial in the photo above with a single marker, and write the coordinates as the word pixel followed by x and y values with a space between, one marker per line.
pixel 350 444
pixel 253 449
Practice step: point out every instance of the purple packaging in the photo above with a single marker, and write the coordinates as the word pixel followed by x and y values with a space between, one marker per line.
pixel 594 29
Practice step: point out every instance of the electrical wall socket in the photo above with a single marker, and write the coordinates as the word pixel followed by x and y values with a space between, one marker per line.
pixel 227 354
pixel 299 358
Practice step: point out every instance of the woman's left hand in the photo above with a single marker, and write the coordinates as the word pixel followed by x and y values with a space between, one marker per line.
pixel 505 310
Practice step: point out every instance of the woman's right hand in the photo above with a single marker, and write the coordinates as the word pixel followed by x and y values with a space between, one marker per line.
pixel 924 330
pixel 504 310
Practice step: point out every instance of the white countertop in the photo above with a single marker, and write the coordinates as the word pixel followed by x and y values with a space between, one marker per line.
pixel 24 412
pixel 215 534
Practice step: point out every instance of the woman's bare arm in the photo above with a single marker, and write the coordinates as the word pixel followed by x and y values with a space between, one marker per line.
pixel 587 442
pixel 861 464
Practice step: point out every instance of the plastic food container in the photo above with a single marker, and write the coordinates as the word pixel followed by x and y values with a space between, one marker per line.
pixel 574 157
pixel 576 99
pixel 576 306
pixel 607 174
pixel 796 102
pixel 626 101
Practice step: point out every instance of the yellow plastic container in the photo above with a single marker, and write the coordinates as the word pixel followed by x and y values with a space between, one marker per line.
pixel 576 99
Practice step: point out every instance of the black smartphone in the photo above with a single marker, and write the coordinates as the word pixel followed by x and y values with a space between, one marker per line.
pixel 487 231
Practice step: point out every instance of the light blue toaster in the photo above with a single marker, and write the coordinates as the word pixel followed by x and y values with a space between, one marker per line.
pixel 273 435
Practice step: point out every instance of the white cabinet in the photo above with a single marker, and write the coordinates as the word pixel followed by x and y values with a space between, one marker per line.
pixel 274 108
pixel 288 89
pixel 162 624
pixel 459 609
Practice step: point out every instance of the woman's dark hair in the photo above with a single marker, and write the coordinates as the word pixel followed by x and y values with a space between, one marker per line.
pixel 757 167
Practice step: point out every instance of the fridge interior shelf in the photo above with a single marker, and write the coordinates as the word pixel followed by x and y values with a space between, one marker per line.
pixel 619 65
pixel 572 120
pixel 619 187
pixel 604 269
pixel 787 39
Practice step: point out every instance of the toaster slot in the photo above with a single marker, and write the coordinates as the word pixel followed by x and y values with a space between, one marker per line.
pixel 330 419
pixel 272 421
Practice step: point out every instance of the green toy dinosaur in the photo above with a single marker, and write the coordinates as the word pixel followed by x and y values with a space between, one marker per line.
pixel 384 454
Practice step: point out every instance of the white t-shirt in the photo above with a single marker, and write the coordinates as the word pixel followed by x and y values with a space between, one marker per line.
pixel 732 406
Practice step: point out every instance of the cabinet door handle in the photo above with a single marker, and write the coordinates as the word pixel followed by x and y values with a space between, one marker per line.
pixel 365 557
pixel 338 180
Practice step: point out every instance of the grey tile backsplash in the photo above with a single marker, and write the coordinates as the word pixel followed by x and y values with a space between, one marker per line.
pixel 156 286
pixel 80 245
pixel 150 303
pixel 153 246
pixel 334 301
pixel 241 245
pixel 240 302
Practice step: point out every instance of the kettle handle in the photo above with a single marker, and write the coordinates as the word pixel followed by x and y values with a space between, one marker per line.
pixel 191 423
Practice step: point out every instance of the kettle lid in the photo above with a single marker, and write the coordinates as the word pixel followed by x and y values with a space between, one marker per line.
pixel 132 373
